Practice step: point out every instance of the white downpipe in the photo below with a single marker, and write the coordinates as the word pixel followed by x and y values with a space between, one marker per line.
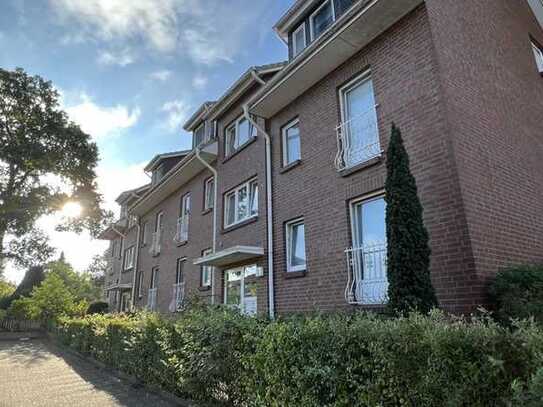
pixel 269 209
pixel 215 190
pixel 135 269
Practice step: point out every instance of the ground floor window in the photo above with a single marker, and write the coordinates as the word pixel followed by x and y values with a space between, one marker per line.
pixel 367 257
pixel 240 288
pixel 125 302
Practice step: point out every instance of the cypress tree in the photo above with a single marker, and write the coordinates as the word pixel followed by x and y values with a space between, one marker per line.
pixel 408 252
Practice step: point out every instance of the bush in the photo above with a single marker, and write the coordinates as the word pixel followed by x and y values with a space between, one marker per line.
pixel 218 356
pixel 518 293
pixel 98 307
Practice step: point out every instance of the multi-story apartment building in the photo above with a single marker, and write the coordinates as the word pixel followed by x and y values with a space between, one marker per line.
pixel 279 205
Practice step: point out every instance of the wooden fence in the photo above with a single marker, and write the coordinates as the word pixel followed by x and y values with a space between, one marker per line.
pixel 17 325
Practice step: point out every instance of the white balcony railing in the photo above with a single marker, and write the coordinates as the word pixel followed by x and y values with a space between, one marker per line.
pixel 357 140
pixel 367 275
pixel 182 231
pixel 151 299
pixel 155 243
pixel 178 297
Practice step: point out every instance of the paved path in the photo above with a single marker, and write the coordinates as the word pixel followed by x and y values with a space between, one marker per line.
pixel 35 373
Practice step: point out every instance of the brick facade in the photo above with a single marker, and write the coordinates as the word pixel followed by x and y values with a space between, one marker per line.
pixel 459 79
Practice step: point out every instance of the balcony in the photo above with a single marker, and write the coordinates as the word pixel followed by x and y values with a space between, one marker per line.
pixel 151 299
pixel 178 297
pixel 367 282
pixel 182 230
pixel 357 141
pixel 155 243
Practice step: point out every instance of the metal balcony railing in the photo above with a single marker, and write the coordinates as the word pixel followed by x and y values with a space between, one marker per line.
pixel 357 140
pixel 151 299
pixel 178 297
pixel 367 282
pixel 155 243
pixel 182 230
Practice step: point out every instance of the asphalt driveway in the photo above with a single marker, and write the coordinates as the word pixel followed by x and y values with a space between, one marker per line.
pixel 36 373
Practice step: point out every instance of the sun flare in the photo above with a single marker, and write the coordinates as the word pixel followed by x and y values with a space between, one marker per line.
pixel 72 210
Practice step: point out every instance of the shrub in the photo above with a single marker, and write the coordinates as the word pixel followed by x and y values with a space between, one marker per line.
pixel 98 307
pixel 518 293
pixel 218 356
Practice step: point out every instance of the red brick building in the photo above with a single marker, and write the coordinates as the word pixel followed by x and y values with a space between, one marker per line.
pixel 290 161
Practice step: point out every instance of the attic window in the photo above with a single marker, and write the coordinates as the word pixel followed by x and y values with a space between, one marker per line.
pixel 298 40
pixel 321 19
pixel 199 135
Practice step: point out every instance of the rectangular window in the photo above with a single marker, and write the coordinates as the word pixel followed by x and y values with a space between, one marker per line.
pixel 237 134
pixel 206 271
pixel 358 135
pixel 321 19
pixel 298 40
pixel 240 288
pixel 158 223
pixel 140 284
pixel 295 235
pixel 199 135
pixel 369 252
pixel 158 173
pixel 291 143
pixel 154 278
pixel 179 271
pixel 241 203
pixel 129 258
pixel 538 53
pixel 144 233
pixel 209 193
pixel 182 232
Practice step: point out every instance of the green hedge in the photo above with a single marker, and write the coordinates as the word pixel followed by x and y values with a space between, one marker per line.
pixel 219 356
pixel 518 293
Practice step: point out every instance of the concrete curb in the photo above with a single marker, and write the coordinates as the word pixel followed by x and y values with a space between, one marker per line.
pixel 121 375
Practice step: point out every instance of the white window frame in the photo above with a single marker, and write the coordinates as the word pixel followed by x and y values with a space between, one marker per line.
pixel 128 261
pixel 288 235
pixel 236 191
pixel 295 122
pixel 204 126
pixel 296 51
pixel 241 306
pixel 235 125
pixel 206 271
pixel 209 193
pixel 180 261
pixel 154 280
pixel 538 55
pixel 311 17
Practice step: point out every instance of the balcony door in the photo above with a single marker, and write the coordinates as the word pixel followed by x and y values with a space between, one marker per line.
pixel 369 251
pixel 240 289
pixel 360 136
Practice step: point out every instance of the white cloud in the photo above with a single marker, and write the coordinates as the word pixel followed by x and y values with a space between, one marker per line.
pixel 177 113
pixel 207 31
pixel 101 121
pixel 162 75
pixel 121 58
pixel 199 82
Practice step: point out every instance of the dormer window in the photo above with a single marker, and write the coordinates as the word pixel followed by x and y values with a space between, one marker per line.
pixel 199 135
pixel 238 134
pixel 299 41
pixel 321 19
pixel 158 173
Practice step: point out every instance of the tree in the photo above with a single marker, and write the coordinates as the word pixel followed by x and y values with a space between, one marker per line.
pixel 408 253
pixel 48 302
pixel 81 286
pixel 6 289
pixel 45 161
pixel 33 277
pixel 97 270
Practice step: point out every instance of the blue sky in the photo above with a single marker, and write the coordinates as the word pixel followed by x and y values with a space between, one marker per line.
pixel 130 73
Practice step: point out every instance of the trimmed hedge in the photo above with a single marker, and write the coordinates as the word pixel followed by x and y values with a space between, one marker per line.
pixel 517 293
pixel 219 356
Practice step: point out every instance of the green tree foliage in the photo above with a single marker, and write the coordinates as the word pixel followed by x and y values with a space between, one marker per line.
pixel 410 287
pixel 45 161
pixel 47 302
pixel 97 270
pixel 33 277
pixel 6 289
pixel 81 285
